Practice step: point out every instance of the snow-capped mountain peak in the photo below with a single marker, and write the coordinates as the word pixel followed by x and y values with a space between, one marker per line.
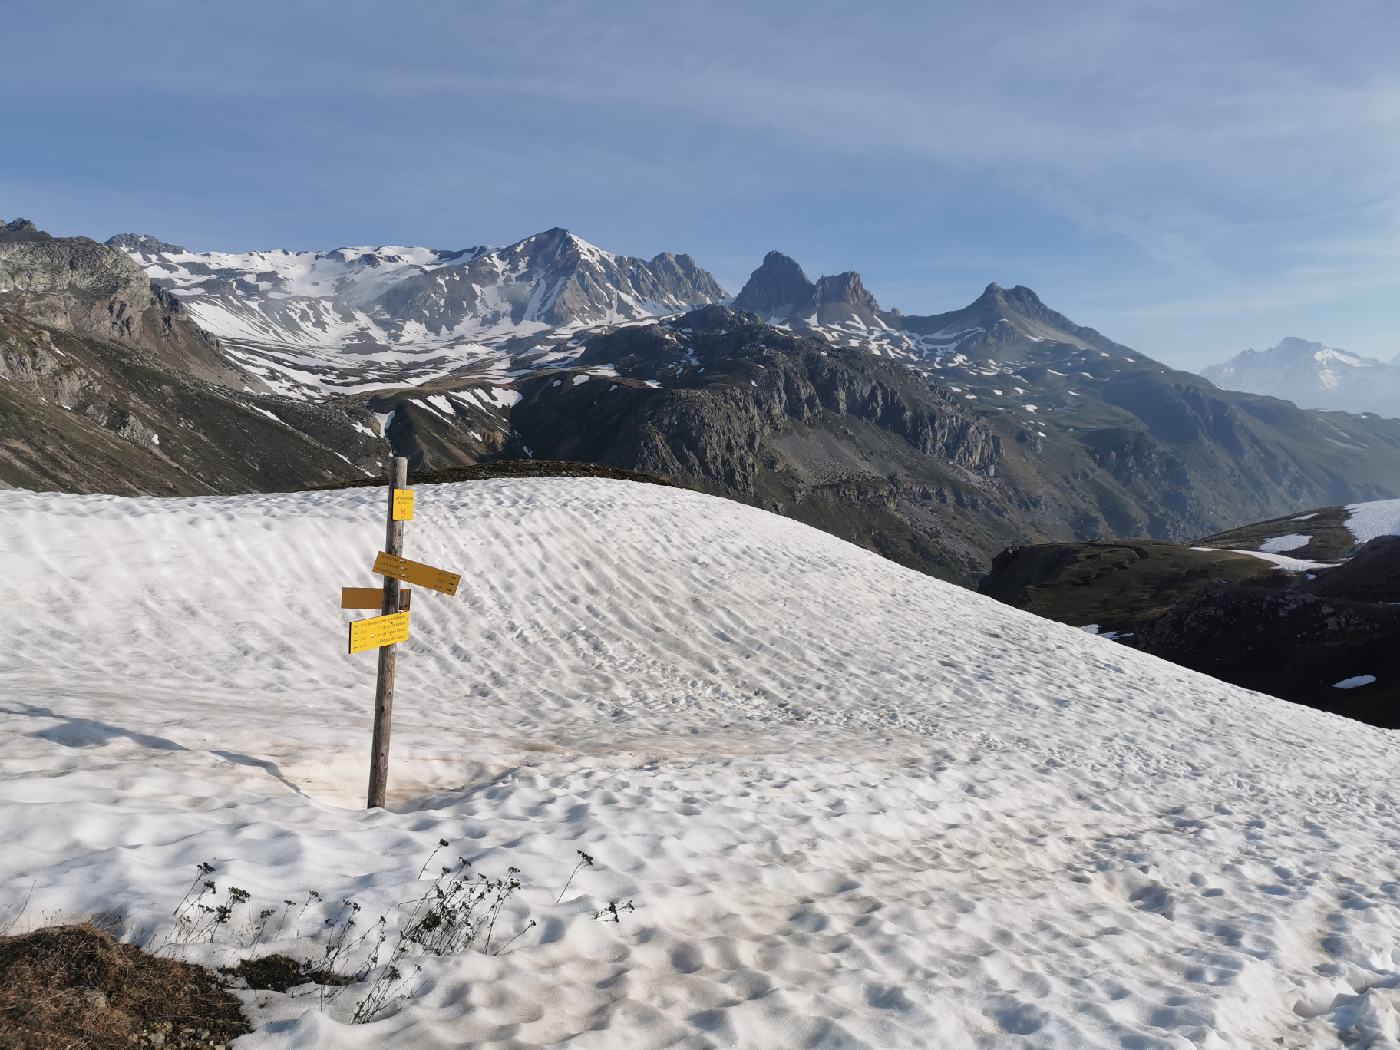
pixel 358 317
pixel 1313 375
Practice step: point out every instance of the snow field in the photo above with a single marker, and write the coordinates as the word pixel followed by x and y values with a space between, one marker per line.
pixel 1369 521
pixel 854 806
pixel 1284 544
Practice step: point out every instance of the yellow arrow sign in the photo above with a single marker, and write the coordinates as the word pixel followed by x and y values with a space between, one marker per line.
pixel 416 573
pixel 370 598
pixel 377 631
pixel 403 504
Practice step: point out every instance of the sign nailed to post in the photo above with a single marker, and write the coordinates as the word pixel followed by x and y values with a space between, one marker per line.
pixel 416 573
pixel 370 598
pixel 403 505
pixel 375 632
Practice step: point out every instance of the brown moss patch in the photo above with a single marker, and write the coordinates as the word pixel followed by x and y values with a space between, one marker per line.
pixel 77 986
pixel 278 973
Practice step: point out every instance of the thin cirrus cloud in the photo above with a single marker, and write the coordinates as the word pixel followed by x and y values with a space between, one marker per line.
pixel 1190 177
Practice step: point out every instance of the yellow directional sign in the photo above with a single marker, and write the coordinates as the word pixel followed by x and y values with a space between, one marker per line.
pixel 369 598
pixel 416 573
pixel 377 631
pixel 403 504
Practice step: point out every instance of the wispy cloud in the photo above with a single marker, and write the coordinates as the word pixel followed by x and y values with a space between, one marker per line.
pixel 1191 159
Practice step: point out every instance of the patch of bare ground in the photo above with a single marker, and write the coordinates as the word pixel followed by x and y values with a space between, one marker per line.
pixel 72 987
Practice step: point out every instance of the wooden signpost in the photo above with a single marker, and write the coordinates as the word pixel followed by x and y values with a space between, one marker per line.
pixel 385 631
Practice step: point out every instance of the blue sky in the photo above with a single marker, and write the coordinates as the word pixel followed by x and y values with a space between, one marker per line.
pixel 1190 178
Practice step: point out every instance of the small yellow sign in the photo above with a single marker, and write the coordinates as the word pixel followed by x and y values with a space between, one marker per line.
pixel 416 573
pixel 403 504
pixel 378 631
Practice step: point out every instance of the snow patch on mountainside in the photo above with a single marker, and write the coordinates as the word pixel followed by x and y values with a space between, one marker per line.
pixel 1369 521
pixel 1284 544
pixel 854 806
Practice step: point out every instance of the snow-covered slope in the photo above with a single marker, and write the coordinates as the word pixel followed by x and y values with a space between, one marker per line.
pixel 364 317
pixel 1368 521
pixel 1313 375
pixel 852 805
pixel 1326 534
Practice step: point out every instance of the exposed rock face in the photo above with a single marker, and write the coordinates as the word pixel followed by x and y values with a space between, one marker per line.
pixel 777 289
pixel 780 290
pixel 143 242
pixel 17 230
pixel 801 383
pixel 107 386
pixel 85 415
pixel 76 285
pixel 1002 315
pixel 844 298
pixel 721 402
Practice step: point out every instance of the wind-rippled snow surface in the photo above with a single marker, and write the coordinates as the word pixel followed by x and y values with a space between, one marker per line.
pixel 854 806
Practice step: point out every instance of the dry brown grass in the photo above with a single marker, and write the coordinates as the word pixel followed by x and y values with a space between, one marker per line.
pixel 279 973
pixel 71 987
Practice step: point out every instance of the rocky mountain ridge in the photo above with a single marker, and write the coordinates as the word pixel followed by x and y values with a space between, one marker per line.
pixel 317 323
pixel 1152 451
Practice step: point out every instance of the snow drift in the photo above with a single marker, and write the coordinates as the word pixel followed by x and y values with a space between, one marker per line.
pixel 854 806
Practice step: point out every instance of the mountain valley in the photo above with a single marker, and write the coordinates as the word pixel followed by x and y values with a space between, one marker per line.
pixel 937 440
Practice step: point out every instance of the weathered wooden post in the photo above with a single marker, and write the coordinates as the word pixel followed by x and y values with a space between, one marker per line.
pixel 390 627
pixel 384 685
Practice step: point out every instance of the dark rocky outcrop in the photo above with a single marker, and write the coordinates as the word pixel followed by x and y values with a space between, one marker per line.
pixel 1294 634
pixel 776 288
pixel 1372 574
pixel 1290 644
pixel 780 290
